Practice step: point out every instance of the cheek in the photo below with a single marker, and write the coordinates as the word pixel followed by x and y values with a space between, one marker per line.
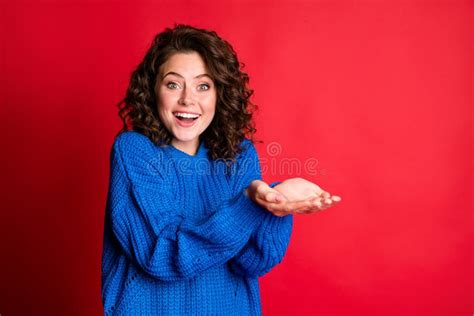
pixel 163 110
pixel 210 104
pixel 164 102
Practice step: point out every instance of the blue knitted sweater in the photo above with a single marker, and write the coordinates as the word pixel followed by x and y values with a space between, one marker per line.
pixel 180 235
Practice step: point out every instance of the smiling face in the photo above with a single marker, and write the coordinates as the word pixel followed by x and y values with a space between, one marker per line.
pixel 186 99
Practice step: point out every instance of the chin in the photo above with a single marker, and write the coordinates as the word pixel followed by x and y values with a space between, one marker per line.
pixel 181 137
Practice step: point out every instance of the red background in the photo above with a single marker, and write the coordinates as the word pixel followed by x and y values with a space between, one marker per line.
pixel 378 92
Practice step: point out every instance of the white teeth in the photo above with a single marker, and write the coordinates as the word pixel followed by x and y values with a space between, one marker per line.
pixel 186 115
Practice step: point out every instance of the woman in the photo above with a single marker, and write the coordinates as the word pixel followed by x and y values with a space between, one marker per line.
pixel 190 225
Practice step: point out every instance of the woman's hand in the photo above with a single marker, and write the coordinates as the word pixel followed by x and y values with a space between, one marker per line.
pixel 295 195
pixel 296 189
pixel 278 204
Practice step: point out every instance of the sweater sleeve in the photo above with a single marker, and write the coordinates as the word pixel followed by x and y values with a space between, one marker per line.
pixel 148 229
pixel 269 242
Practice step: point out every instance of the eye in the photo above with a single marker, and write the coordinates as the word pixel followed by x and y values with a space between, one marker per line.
pixel 172 85
pixel 204 86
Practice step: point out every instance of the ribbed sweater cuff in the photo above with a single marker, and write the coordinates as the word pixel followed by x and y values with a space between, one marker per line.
pixel 244 215
pixel 274 223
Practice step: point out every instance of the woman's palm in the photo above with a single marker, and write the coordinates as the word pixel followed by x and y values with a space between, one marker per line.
pixel 297 189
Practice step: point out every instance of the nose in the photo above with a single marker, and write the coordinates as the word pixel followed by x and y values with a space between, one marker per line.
pixel 187 97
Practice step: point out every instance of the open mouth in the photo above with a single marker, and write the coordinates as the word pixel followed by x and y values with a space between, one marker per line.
pixel 186 117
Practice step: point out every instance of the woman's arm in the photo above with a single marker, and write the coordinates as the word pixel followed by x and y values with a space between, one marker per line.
pixel 266 247
pixel 151 234
pixel 269 242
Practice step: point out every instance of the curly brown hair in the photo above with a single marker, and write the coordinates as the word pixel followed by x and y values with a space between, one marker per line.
pixel 232 122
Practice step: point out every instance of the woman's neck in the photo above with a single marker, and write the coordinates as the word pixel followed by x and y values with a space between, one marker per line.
pixel 189 147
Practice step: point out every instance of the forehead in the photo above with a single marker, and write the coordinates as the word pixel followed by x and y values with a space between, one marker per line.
pixel 185 63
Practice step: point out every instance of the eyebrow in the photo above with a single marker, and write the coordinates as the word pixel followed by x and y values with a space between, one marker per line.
pixel 177 74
